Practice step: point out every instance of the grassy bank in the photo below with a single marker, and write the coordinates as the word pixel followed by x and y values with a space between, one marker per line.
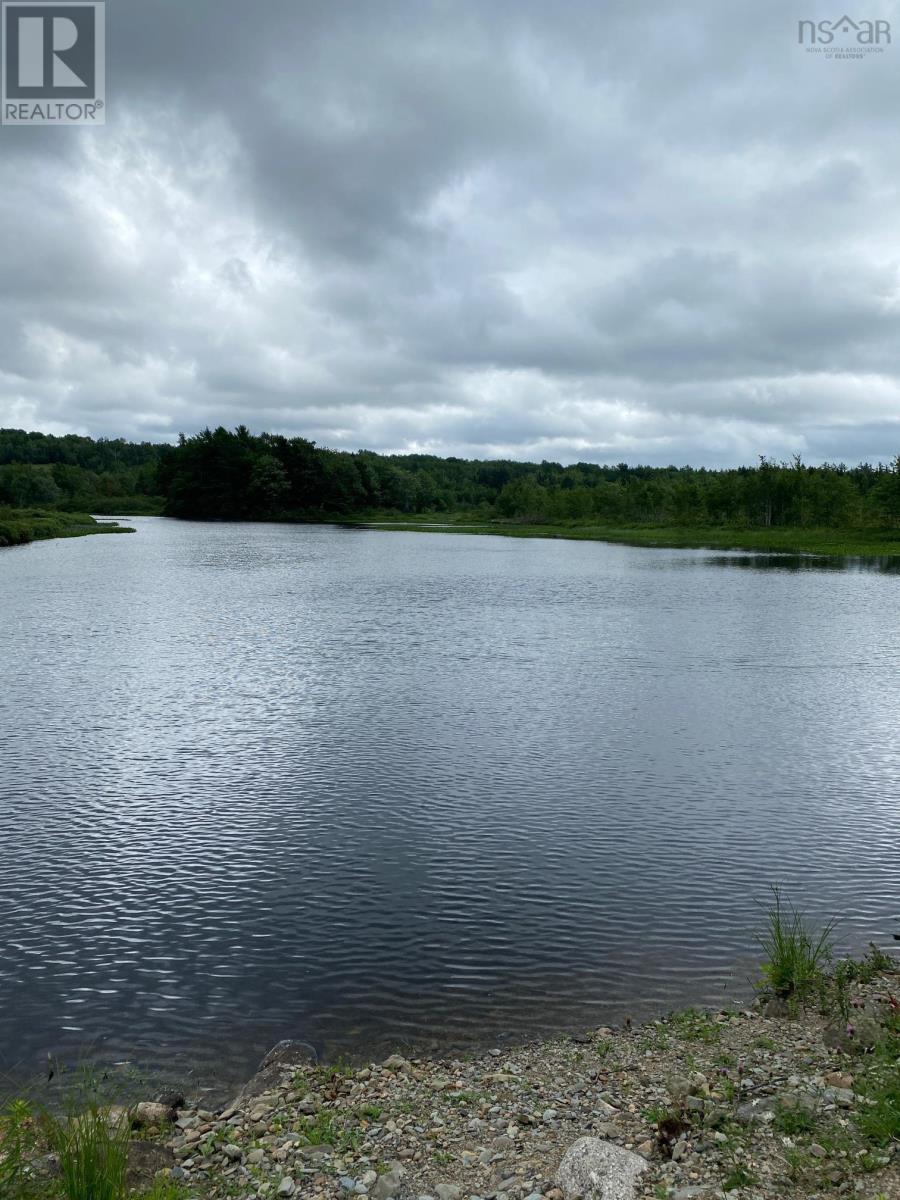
pixel 21 525
pixel 839 542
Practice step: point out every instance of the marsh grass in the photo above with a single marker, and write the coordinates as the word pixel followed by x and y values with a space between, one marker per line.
pixel 876 543
pixel 796 956
pixel 92 1151
pixel 21 525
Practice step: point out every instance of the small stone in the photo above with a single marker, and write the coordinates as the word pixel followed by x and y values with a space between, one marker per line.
pixel 396 1063
pixel 448 1191
pixel 235 1153
pixel 286 1187
pixel 818 1151
pixel 255 1157
pixel 389 1185
pixel 837 1079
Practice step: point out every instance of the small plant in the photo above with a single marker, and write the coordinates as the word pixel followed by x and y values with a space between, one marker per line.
pixel 165 1189
pixel 694 1026
pixel 324 1130
pixel 763 1043
pixel 602 1048
pixel 371 1112
pixel 92 1151
pixel 875 963
pixel 795 955
pixel 792 1121
pixel 835 989
pixel 879 1120
pixel 738 1177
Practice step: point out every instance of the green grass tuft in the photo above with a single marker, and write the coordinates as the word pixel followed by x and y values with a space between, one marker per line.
pixel 796 956
pixel 93 1153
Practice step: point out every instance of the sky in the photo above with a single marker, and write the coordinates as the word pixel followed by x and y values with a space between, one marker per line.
pixel 597 232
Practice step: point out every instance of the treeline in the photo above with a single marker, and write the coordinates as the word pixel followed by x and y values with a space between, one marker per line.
pixel 77 474
pixel 218 473
pixel 223 474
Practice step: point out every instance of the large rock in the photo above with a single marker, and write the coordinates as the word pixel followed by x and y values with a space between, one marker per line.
pixel 599 1170
pixel 281 1057
pixel 149 1113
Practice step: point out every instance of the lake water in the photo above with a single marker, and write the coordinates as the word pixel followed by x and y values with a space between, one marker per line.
pixel 379 790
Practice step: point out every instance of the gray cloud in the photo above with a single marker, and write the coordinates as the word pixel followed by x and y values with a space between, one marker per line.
pixel 579 232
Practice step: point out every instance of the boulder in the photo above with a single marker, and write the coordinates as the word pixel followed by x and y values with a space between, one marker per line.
pixel 149 1114
pixel 281 1057
pixel 598 1170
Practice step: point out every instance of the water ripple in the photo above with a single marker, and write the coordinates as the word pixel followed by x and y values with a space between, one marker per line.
pixel 365 789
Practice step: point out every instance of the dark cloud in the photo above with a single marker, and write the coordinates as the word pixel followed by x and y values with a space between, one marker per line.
pixel 578 232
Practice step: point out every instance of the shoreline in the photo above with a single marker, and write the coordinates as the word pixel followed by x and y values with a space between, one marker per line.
pixel 878 544
pixel 22 527
pixel 768 1100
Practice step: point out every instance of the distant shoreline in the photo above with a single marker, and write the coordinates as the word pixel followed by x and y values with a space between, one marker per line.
pixel 863 543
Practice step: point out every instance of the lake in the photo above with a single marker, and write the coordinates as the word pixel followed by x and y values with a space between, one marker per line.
pixel 378 790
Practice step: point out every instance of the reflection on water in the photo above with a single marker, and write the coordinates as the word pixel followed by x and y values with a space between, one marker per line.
pixel 880 564
pixel 369 789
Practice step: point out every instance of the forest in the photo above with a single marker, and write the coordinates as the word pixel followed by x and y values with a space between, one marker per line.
pixel 237 475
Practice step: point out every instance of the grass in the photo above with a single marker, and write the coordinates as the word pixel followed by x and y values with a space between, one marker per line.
pixel 796 955
pixel 879 1120
pixel 792 1121
pixel 19 526
pixel 93 1153
pixel 15 1139
pixel 738 1177
pixel 763 1043
pixel 694 1026
pixel 324 1130
pixel 874 543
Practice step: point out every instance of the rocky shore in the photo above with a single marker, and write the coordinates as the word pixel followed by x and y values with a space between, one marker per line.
pixel 753 1104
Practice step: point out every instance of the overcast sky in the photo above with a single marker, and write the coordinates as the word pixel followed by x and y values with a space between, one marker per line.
pixel 578 231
